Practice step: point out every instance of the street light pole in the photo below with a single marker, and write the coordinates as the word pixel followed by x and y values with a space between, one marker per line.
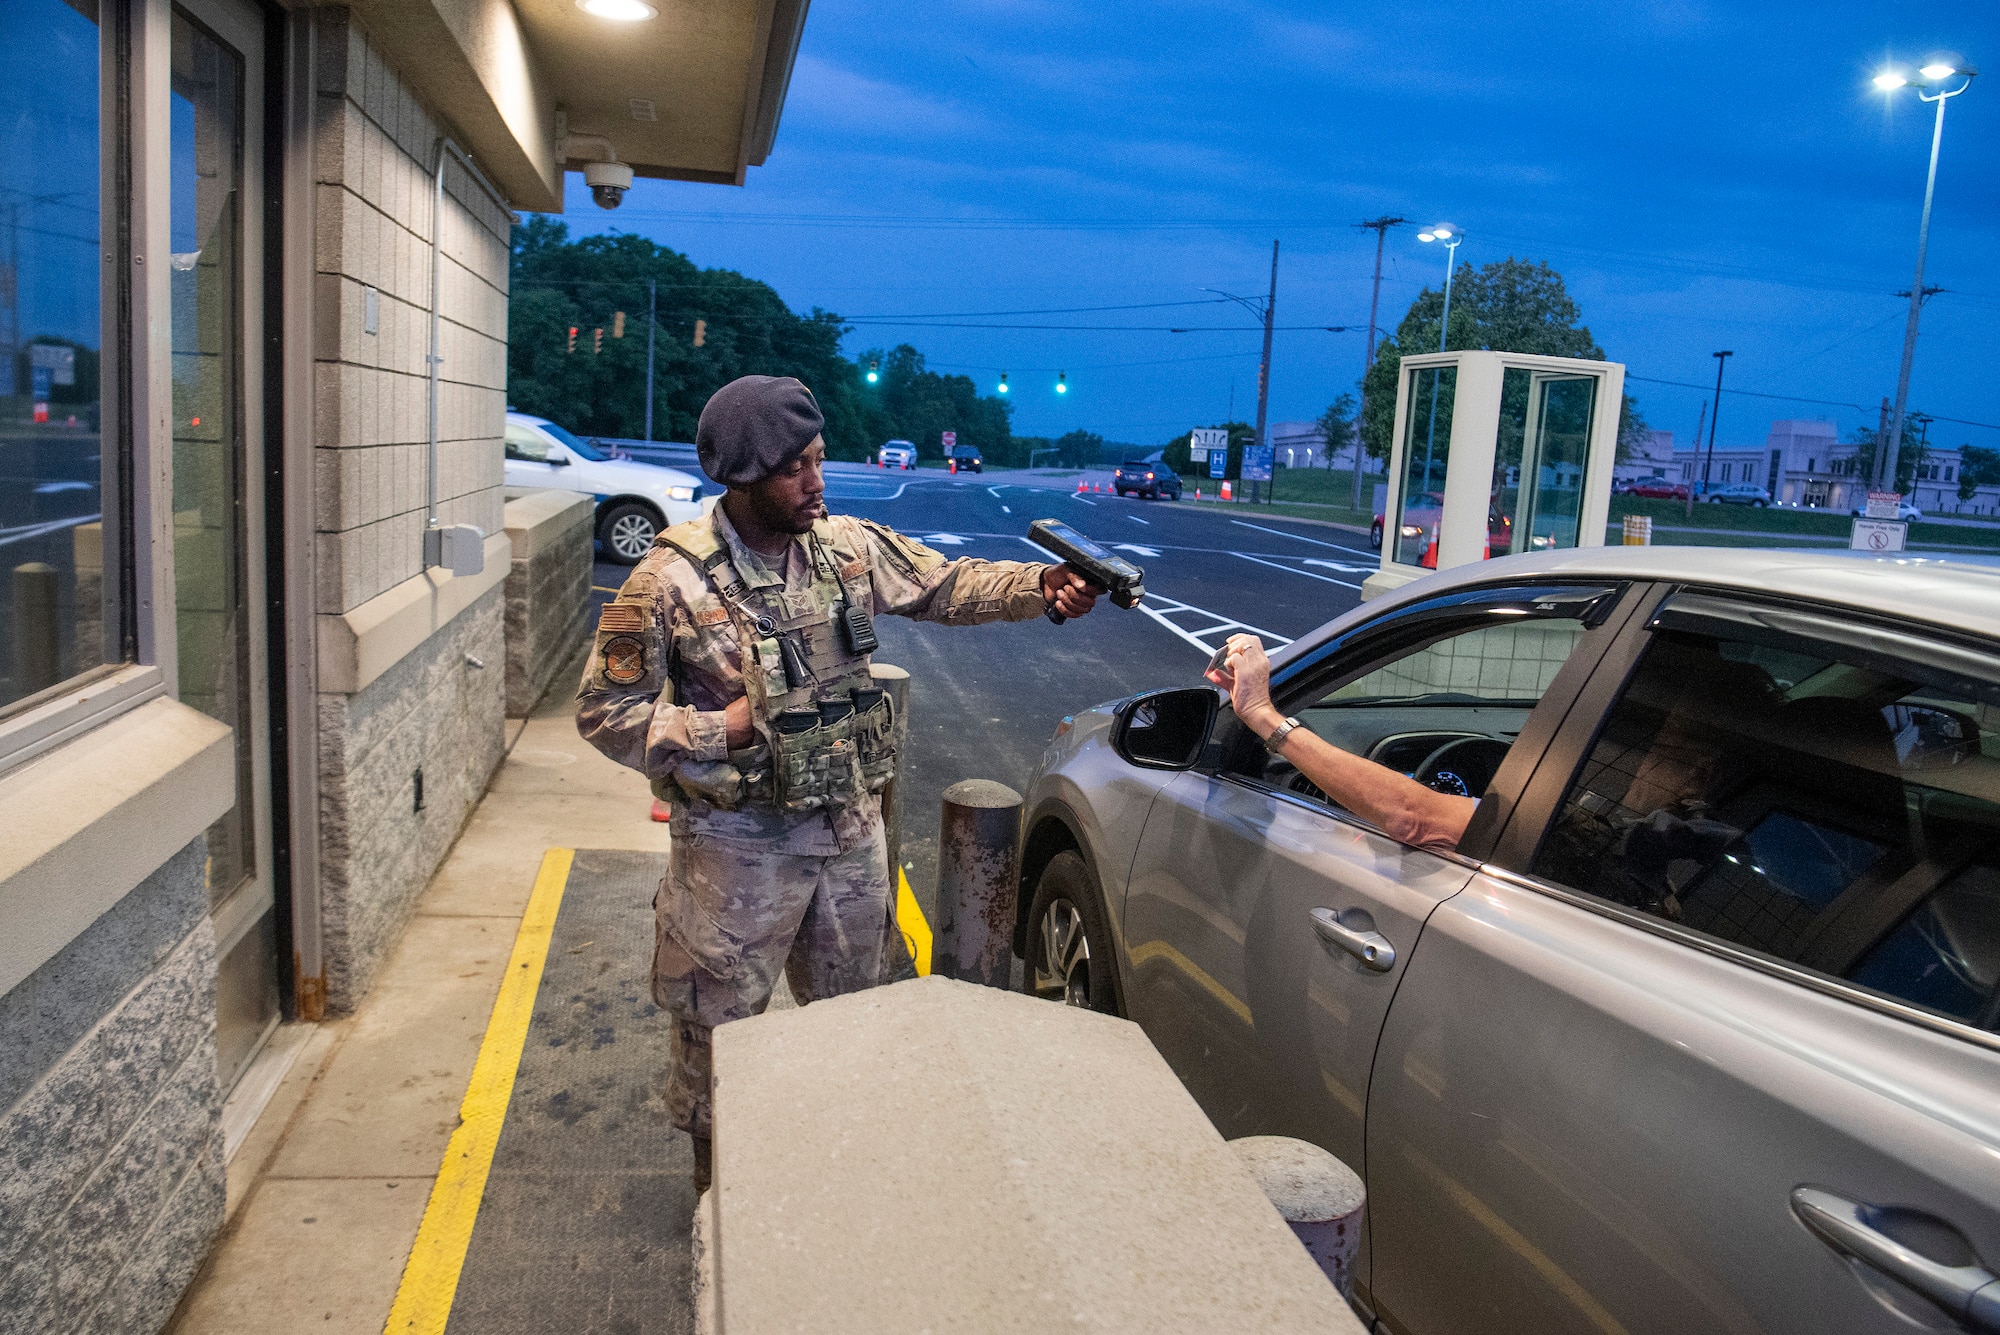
pixel 1380 226
pixel 652 323
pixel 1451 236
pixel 1936 73
pixel 1714 420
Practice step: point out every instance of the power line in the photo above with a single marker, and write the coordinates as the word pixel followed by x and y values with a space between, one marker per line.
pixel 1099 366
pixel 1112 328
pixel 1794 398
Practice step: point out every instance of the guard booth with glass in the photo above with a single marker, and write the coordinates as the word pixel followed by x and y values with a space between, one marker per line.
pixel 1496 453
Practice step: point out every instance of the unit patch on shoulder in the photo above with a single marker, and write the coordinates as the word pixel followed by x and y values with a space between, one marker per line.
pixel 711 616
pixel 621 618
pixel 624 659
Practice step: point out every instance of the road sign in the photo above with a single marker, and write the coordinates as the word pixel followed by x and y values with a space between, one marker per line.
pixel 1203 439
pixel 950 439
pixel 57 360
pixel 1884 505
pixel 1878 535
pixel 1257 462
pixel 1218 462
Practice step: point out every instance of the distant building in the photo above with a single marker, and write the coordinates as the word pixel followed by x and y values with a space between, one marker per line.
pixel 1804 463
pixel 1651 456
pixel 1304 445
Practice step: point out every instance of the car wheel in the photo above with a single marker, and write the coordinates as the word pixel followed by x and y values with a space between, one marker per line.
pixel 1069 947
pixel 1758 504
pixel 628 531
pixel 1715 500
pixel 1375 536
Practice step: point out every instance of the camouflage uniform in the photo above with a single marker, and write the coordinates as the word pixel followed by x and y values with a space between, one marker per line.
pixel 752 887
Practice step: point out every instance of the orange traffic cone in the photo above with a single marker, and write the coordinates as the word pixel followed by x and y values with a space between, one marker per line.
pixel 1225 491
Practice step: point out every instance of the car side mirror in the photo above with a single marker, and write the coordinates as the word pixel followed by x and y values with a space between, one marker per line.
pixel 558 460
pixel 1166 729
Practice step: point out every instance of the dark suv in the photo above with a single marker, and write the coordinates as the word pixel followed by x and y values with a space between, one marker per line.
pixel 1152 481
pixel 964 459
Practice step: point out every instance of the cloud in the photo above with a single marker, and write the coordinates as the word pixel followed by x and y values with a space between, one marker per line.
pixel 830 96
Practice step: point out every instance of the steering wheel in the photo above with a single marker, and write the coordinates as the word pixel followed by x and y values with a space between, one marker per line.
pixel 1463 766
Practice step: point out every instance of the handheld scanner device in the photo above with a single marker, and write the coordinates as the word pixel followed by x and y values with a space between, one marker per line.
pixel 1124 581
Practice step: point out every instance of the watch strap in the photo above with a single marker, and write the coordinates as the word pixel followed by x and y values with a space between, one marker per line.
pixel 1278 735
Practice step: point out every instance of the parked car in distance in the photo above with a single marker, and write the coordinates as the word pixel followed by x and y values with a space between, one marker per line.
pixel 1738 493
pixel 635 501
pixel 897 454
pixel 1423 514
pixel 1905 510
pixel 964 459
pixel 1695 1029
pixel 1153 481
pixel 1658 489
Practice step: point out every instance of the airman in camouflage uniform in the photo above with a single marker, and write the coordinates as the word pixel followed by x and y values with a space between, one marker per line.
pixel 777 858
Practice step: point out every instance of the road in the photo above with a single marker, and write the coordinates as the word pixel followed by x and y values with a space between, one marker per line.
pixel 984 700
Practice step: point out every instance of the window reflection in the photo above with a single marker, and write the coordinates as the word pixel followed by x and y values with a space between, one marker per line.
pixel 58 611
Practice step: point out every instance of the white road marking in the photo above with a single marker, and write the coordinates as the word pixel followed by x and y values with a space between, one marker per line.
pixel 944 540
pixel 1219 629
pixel 1294 570
pixel 844 495
pixel 10 536
pixel 1338 547
pixel 1137 550
pixel 1135 519
pixel 1075 497
pixel 994 492
pixel 1345 567
pixel 1006 509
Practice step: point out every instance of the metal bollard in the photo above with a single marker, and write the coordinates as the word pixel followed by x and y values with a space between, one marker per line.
pixel 897 963
pixel 1318 1195
pixel 978 877
pixel 1638 530
pixel 37 643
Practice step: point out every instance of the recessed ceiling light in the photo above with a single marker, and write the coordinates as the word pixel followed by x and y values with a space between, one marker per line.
pixel 625 11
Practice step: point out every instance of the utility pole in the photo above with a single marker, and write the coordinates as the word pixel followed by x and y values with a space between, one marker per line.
pixel 1700 423
pixel 1714 420
pixel 1264 368
pixel 652 324
pixel 1379 226
pixel 1893 445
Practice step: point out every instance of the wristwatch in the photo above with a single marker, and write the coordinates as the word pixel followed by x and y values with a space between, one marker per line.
pixel 1278 735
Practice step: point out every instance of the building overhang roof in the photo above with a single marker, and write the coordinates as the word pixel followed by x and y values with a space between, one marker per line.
pixel 712 73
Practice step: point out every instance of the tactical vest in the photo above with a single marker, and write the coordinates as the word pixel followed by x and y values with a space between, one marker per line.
pixel 827 739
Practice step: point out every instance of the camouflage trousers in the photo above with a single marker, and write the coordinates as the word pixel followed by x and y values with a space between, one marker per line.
pixel 729 916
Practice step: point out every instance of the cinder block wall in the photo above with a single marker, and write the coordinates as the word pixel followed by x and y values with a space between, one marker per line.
pixel 552 534
pixel 433 711
pixel 112 1185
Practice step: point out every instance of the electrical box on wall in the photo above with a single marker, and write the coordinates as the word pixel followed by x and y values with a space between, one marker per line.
pixel 459 548
pixel 1496 453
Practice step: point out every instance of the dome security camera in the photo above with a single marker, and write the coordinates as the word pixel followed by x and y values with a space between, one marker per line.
pixel 608 182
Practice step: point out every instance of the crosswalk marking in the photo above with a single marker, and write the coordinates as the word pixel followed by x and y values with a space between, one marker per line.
pixel 1207 638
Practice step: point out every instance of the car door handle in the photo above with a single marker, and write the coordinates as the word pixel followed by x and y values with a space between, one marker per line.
pixel 1369 946
pixel 1970 1293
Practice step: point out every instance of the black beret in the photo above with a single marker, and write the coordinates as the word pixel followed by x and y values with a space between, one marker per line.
pixel 755 425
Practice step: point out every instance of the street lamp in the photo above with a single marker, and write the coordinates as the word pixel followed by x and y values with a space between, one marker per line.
pixel 1935 74
pixel 1451 236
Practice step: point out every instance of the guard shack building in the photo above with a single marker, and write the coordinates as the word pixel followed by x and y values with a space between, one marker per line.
pixel 253 337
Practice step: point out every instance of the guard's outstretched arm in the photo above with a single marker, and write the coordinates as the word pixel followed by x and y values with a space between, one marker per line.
pixel 912 580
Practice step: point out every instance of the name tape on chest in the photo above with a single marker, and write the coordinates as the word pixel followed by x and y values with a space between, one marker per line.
pixel 711 616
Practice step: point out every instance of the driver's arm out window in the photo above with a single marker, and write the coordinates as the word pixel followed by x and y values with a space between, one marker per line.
pixel 1829 809
pixel 1444 713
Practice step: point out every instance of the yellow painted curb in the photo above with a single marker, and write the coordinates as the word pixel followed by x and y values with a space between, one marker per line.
pixel 916 931
pixel 430 1279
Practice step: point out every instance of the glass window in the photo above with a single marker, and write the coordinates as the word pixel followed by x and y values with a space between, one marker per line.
pixel 526 444
pixel 59 607
pixel 1445 713
pixel 1539 461
pixel 1426 450
pixel 1832 810
pixel 578 446
pixel 213 618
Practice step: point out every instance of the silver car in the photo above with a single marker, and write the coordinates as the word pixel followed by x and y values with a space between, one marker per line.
pixel 1695 1030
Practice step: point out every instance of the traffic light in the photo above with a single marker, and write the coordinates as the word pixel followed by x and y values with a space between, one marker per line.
pixel 874 372
pixel 618 324
pixel 1062 383
pixel 597 340
pixel 572 338
pixel 700 332
pixel 1003 382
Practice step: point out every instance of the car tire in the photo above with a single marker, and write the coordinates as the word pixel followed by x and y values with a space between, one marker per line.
pixel 1068 944
pixel 627 532
pixel 1715 500
pixel 1758 504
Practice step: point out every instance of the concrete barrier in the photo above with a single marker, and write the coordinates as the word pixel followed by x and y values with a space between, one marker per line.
pixel 1314 1192
pixel 938 1156
pixel 548 587
pixel 979 837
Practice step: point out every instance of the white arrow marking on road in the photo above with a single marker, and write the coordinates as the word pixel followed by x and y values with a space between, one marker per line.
pixel 994 492
pixel 1006 509
pixel 1294 570
pixel 1136 550
pixel 1345 567
pixel 945 540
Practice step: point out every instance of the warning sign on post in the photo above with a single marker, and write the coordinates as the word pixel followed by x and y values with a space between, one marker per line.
pixel 1885 505
pixel 1878 535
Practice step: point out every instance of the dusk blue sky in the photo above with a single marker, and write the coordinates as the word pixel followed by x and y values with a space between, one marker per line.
pixel 1704 175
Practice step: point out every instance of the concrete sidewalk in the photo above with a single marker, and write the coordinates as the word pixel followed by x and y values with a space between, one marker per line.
pixel 327 1190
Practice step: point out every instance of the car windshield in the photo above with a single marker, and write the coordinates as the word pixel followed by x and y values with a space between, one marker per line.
pixel 579 447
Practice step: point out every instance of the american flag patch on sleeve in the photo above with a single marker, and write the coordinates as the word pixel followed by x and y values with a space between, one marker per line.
pixel 621 618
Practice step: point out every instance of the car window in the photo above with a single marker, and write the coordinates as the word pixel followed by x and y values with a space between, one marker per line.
pixel 1831 808
pixel 581 448
pixel 1446 712
pixel 526 444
